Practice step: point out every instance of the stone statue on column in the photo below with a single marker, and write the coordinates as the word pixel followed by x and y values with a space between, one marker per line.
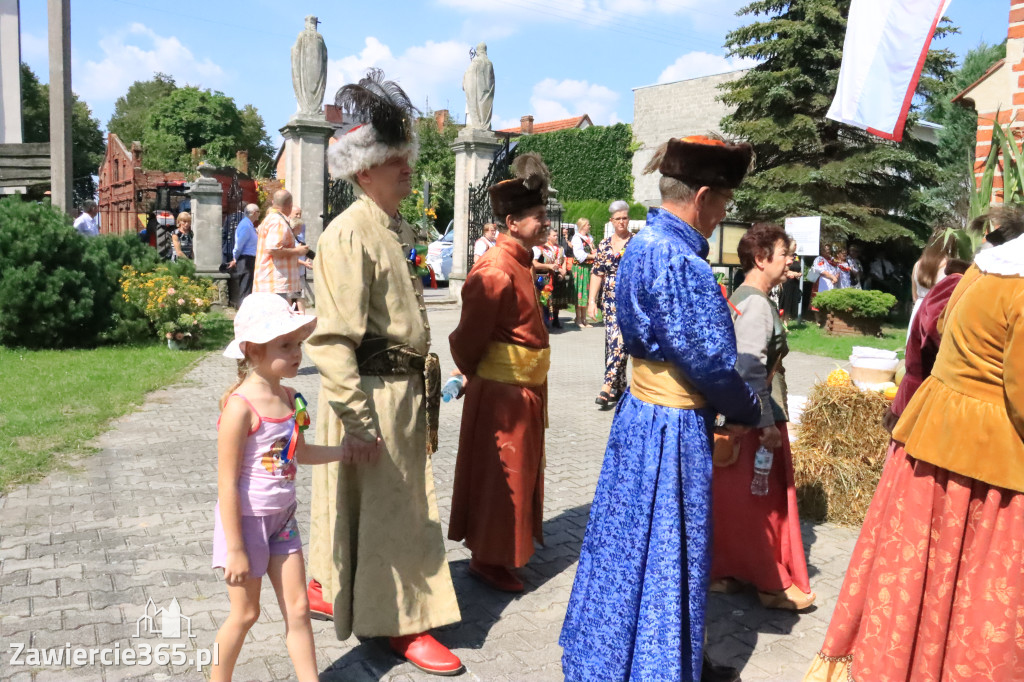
pixel 309 69
pixel 479 86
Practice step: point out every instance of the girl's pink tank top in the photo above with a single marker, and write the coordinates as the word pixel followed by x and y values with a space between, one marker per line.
pixel 266 478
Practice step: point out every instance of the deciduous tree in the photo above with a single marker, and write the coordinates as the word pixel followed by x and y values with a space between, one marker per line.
pixel 86 138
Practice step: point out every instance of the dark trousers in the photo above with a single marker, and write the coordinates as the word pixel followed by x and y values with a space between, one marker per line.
pixel 245 269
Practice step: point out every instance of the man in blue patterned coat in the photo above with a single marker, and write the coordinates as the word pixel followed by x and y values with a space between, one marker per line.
pixel 638 602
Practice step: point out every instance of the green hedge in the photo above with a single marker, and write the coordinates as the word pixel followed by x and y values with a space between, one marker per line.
pixel 596 211
pixel 859 302
pixel 59 289
pixel 594 163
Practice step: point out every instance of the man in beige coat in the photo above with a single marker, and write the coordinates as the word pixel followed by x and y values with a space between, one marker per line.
pixel 376 553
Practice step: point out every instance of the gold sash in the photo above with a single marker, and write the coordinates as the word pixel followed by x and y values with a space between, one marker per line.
pixel 508 363
pixel 662 383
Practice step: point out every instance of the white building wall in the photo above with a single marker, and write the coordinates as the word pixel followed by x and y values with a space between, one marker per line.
pixel 668 110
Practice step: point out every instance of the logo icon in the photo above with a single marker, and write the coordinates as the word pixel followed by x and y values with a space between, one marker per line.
pixel 164 622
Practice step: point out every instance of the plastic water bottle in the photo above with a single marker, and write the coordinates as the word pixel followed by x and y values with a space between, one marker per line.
pixel 452 388
pixel 762 466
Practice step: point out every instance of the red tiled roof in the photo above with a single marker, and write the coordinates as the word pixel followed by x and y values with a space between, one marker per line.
pixel 551 126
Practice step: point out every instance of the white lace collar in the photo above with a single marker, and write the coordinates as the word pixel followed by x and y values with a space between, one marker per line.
pixel 1005 259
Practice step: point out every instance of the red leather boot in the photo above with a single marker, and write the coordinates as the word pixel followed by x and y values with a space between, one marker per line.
pixel 318 608
pixel 427 654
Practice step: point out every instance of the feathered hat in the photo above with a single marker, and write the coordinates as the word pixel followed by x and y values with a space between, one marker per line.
pixel 386 130
pixel 527 189
pixel 703 161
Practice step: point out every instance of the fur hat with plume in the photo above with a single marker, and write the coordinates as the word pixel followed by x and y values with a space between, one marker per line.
pixel 529 187
pixel 387 126
pixel 703 161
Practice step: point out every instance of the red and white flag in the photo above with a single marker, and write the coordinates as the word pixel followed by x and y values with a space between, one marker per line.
pixel 883 54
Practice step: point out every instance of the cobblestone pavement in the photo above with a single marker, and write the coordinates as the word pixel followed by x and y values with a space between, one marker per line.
pixel 83 550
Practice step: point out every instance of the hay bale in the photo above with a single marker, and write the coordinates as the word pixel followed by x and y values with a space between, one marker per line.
pixel 838 456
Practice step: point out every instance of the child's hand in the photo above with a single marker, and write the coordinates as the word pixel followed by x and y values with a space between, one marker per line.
pixel 359 451
pixel 236 570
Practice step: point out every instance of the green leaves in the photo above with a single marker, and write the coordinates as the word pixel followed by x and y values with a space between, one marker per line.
pixel 862 303
pixel 87 147
pixel 594 163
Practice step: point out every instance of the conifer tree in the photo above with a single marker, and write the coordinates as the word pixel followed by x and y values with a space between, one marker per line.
pixel 863 187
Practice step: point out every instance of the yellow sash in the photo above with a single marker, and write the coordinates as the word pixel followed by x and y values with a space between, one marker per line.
pixel 508 363
pixel 662 383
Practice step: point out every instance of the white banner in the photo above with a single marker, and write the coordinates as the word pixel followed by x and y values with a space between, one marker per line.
pixel 885 48
pixel 807 233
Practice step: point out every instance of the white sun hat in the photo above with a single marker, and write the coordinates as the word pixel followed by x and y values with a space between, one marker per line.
pixel 263 317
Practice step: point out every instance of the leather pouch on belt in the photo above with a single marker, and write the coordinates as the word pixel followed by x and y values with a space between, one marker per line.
pixel 725 451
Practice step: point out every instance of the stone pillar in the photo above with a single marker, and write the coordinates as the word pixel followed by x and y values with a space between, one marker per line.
pixel 474 152
pixel 59 19
pixel 207 213
pixel 306 169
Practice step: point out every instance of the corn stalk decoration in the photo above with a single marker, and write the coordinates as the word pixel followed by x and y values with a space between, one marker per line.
pixel 1004 154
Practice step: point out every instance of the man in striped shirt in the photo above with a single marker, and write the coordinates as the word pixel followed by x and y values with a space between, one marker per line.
pixel 277 252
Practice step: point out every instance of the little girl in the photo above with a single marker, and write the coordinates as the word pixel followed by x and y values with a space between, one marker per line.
pixel 259 441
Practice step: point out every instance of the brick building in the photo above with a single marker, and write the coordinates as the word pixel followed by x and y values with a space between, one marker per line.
pixel 127 192
pixel 125 189
pixel 999 91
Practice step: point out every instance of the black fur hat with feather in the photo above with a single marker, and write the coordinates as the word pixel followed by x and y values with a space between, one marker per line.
pixel 386 130
pixel 529 187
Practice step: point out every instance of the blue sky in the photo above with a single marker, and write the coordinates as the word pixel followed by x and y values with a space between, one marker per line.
pixel 552 58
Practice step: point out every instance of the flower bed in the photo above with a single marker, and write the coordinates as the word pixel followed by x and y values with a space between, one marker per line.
pixel 176 306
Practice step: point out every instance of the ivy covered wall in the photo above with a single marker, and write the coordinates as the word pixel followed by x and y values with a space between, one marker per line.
pixel 594 163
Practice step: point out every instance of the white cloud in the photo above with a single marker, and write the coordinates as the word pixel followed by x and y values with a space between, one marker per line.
pixel 135 54
pixel 553 99
pixel 698 64
pixel 422 70
pixel 33 47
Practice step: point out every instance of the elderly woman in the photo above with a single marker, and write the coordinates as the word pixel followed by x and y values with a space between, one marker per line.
pixel 181 238
pixel 602 283
pixel 583 255
pixel 935 588
pixel 757 538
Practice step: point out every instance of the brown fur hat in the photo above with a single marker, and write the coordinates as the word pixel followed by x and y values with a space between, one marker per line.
pixel 527 189
pixel 703 161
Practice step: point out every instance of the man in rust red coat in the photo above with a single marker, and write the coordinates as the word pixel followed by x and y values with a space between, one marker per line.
pixel 501 347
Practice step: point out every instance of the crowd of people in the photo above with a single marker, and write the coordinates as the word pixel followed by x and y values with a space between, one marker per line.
pixel 696 489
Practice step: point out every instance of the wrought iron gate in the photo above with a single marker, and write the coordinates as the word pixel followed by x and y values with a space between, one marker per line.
pixel 234 211
pixel 339 195
pixel 480 201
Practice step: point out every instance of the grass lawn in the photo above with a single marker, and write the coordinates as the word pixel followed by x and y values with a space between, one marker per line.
pixel 53 402
pixel 810 338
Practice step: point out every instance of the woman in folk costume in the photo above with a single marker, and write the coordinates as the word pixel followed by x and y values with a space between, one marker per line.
pixel 501 346
pixel 583 254
pixel 377 554
pixel 935 587
pixel 638 601
pixel 757 537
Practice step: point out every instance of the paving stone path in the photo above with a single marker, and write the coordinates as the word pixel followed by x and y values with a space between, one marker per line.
pixel 84 550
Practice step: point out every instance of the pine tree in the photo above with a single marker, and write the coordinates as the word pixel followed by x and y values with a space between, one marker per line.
pixel 862 186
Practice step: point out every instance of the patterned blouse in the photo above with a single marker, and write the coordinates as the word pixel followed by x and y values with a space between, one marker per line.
pixel 606 264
